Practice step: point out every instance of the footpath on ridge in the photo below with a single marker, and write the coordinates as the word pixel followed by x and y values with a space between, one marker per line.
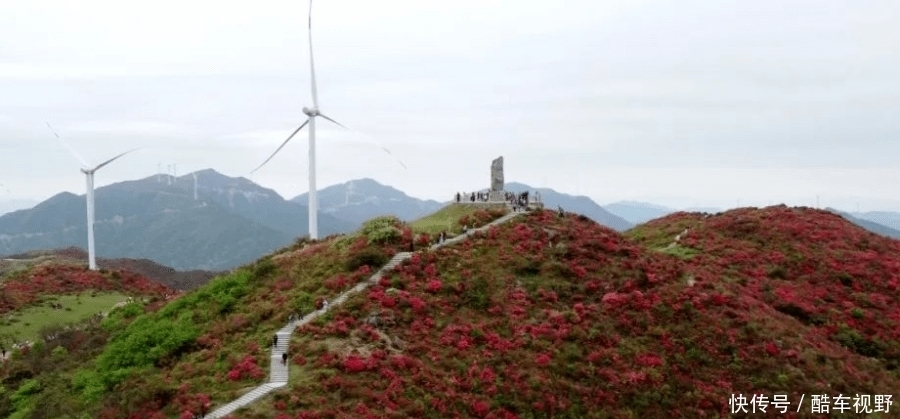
pixel 278 374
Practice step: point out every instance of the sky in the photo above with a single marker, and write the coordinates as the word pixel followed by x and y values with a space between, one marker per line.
pixel 680 103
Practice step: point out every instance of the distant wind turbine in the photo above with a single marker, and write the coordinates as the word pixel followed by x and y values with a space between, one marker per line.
pixel 311 121
pixel 89 178
pixel 195 186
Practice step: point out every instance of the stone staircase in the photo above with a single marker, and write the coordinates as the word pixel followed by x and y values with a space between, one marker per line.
pixel 278 374
pixel 245 400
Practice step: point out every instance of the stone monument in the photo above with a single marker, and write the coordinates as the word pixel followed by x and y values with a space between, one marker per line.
pixel 497 179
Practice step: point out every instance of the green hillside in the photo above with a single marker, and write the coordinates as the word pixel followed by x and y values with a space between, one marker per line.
pixel 543 316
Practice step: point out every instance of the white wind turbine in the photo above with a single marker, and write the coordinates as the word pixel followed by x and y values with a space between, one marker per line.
pixel 89 178
pixel 195 185
pixel 311 120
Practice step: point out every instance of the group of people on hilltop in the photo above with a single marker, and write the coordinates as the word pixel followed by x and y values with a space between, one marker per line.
pixel 473 197
pixel 520 199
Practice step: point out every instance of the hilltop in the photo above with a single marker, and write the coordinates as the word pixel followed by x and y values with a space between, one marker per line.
pixel 544 316
pixel 178 280
pixel 47 296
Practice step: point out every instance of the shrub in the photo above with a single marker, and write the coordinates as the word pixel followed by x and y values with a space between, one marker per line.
pixel 382 230
pixel 368 257
pixel 264 267
pixel 146 341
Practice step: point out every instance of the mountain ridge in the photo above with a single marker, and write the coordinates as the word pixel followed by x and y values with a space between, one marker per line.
pixel 233 222
pixel 358 200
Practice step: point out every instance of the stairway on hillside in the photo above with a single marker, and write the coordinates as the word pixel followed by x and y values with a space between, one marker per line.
pixel 279 374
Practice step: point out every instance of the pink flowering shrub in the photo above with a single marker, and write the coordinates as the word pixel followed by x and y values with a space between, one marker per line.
pixel 601 324
pixel 246 368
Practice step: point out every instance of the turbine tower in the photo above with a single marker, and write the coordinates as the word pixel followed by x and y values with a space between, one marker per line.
pixel 195 186
pixel 311 115
pixel 89 195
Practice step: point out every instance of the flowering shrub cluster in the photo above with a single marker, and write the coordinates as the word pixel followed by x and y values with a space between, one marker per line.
pixel 550 316
pixel 232 319
pixel 481 217
pixel 24 288
pixel 600 322
pixel 245 368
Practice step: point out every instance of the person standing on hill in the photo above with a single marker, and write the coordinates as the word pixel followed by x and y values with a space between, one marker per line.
pixel 457 197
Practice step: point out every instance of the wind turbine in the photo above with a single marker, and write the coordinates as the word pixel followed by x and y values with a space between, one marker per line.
pixel 311 115
pixel 89 180
pixel 195 185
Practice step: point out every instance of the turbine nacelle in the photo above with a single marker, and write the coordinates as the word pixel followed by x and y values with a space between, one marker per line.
pixel 310 112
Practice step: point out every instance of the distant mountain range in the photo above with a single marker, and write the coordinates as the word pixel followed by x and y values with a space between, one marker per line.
pixel 885 218
pixel 359 200
pixel 637 212
pixel 234 221
pixel 578 204
pixel 163 222
pixel 868 224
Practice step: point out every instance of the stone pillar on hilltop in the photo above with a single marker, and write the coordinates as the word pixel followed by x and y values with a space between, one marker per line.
pixel 497 180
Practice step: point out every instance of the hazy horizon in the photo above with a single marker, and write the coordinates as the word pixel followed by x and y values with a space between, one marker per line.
pixel 671 202
pixel 694 103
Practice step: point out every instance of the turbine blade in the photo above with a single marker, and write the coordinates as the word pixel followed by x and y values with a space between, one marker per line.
pixel 390 154
pixel 312 67
pixel 282 145
pixel 336 122
pixel 111 160
pixel 71 150
pixel 368 137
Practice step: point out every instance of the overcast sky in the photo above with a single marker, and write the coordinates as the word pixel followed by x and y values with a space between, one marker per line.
pixel 679 103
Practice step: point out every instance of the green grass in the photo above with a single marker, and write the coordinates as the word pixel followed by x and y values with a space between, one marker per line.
pixel 679 251
pixel 446 218
pixel 27 323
